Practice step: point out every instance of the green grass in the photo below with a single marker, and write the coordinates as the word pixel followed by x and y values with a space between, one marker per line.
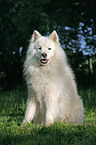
pixel 12 108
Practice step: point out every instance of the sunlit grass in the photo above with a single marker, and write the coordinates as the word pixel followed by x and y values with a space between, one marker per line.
pixel 12 108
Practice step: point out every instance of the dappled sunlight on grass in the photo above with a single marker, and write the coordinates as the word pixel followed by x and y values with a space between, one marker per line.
pixel 12 108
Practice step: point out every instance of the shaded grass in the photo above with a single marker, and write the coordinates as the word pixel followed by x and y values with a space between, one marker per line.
pixel 12 108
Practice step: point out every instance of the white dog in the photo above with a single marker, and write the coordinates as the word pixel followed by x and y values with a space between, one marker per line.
pixel 52 92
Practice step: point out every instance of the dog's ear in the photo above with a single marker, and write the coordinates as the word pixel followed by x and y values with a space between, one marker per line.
pixel 54 36
pixel 35 35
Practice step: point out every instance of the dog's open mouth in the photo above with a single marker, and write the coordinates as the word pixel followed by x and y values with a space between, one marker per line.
pixel 44 61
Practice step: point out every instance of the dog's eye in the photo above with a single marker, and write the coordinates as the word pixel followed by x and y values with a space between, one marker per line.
pixel 49 48
pixel 39 48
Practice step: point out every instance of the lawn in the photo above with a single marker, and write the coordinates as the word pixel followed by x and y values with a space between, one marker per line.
pixel 12 108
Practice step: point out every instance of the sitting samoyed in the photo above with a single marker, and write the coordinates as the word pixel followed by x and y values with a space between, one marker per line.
pixel 52 91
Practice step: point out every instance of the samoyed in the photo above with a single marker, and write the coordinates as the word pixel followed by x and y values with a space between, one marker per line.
pixel 52 91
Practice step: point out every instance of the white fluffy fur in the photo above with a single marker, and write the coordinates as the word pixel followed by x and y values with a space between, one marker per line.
pixel 52 91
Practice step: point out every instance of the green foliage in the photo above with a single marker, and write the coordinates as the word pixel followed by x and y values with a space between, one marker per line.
pixel 19 18
pixel 29 15
pixel 13 105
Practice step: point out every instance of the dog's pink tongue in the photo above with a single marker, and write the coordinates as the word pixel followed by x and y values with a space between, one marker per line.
pixel 44 60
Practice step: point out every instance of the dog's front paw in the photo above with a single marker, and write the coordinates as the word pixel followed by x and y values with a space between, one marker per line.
pixel 24 122
pixel 49 122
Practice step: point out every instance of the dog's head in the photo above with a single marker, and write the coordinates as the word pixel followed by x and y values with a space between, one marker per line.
pixel 44 47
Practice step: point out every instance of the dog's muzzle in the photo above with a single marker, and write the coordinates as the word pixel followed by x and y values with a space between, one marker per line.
pixel 44 60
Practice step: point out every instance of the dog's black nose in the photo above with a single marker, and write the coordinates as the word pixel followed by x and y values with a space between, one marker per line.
pixel 44 55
